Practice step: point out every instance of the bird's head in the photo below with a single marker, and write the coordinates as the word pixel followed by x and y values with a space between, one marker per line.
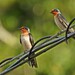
pixel 25 30
pixel 55 11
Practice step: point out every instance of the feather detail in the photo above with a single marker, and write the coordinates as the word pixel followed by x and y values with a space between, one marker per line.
pixel 61 22
pixel 31 39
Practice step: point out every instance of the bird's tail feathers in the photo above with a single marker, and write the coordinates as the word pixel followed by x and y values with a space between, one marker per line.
pixel 33 62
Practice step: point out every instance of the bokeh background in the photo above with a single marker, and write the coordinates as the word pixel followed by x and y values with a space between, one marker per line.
pixel 36 15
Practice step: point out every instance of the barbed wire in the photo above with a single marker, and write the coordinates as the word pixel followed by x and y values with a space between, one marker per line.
pixel 48 43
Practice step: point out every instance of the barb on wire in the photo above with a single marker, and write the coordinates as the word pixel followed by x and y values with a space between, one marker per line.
pixel 62 39
pixel 69 27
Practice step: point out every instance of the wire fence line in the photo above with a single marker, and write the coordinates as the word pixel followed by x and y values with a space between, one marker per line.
pixel 49 43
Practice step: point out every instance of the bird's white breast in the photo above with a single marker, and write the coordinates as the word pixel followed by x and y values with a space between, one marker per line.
pixel 26 42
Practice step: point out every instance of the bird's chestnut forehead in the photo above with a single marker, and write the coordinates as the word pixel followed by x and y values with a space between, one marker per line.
pixel 25 28
pixel 22 27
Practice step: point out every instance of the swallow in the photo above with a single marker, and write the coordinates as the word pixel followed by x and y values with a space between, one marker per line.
pixel 27 41
pixel 60 21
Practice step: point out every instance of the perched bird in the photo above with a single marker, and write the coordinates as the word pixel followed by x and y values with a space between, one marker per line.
pixel 60 21
pixel 27 41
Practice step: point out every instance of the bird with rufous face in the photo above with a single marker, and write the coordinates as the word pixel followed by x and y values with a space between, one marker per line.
pixel 60 21
pixel 27 41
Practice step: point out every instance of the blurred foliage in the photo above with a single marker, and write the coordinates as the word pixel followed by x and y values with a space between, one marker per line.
pixel 36 15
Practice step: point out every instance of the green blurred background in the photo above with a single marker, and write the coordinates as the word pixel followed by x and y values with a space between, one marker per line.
pixel 36 15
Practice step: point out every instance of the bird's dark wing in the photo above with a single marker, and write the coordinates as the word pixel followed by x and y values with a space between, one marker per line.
pixel 62 20
pixel 33 61
pixel 20 40
pixel 31 39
